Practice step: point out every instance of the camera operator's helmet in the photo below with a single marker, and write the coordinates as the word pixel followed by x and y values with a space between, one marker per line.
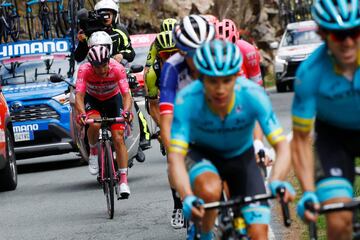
pixel 336 14
pixel 100 38
pixel 98 55
pixel 107 5
pixel 218 58
pixel 167 24
pixel 192 32
pixel 226 30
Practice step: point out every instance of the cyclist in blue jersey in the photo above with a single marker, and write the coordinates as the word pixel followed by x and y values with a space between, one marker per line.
pixel 211 139
pixel 327 92
pixel 177 72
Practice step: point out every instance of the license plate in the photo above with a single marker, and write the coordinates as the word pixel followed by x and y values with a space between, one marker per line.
pixel 22 136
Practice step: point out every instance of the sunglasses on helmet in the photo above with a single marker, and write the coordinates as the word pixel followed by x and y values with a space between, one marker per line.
pixel 340 36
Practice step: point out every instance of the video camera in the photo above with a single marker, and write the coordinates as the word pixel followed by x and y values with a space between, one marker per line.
pixel 91 21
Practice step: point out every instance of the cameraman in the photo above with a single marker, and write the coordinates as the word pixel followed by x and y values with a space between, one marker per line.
pixel 122 49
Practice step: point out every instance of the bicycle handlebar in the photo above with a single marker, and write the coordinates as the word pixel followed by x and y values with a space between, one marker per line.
pixel 251 199
pixel 105 120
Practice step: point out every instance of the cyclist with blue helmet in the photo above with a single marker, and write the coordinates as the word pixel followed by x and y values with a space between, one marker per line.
pixel 219 145
pixel 327 96
pixel 177 72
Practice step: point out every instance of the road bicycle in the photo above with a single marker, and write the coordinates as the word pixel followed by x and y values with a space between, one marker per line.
pixel 9 21
pixel 227 224
pixel 108 177
pixel 353 205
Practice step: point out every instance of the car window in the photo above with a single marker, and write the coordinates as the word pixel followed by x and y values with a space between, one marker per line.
pixel 300 37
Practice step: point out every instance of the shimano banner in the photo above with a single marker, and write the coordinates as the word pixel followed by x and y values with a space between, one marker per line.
pixel 22 48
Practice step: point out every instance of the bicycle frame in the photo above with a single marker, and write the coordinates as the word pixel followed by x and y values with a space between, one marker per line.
pixel 107 176
pixel 104 144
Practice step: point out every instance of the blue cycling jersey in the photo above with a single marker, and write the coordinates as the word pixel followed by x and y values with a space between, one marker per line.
pixel 175 75
pixel 321 90
pixel 195 123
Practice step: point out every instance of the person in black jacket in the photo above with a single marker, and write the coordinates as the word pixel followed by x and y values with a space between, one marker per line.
pixel 122 48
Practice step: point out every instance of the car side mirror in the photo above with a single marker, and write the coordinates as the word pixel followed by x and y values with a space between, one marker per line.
pixel 274 45
pixel 136 68
pixel 56 78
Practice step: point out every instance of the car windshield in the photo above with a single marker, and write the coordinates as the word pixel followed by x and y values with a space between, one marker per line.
pixel 300 37
pixel 33 68
pixel 141 55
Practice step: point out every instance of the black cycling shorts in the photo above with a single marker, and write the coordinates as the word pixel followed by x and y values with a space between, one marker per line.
pixel 336 150
pixel 241 173
pixel 110 108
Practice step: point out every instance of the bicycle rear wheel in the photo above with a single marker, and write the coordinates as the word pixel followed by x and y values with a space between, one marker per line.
pixel 109 181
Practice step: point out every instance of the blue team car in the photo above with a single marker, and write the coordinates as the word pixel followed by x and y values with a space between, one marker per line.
pixel 39 109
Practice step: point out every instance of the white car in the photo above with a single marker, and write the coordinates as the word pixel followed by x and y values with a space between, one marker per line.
pixel 298 42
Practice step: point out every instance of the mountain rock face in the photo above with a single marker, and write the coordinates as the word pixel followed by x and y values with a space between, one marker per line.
pixel 258 19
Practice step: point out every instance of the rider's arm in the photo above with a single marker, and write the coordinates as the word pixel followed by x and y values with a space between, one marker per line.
pixel 81 51
pixel 274 134
pixel 151 55
pixel 80 90
pixel 152 93
pixel 123 46
pixel 168 83
pixel 303 112
pixel 124 88
pixel 180 133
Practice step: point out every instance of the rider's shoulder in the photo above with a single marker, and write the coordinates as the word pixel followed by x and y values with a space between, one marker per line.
pixel 186 97
pixel 175 62
pixel 86 66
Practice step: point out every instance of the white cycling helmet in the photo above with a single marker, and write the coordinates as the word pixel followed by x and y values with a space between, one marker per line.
pixel 192 32
pixel 100 38
pixel 106 5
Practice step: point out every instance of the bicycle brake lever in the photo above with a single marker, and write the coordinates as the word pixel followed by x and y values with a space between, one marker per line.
pixel 284 206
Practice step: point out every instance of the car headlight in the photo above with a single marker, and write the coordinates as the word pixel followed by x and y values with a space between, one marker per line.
pixel 62 98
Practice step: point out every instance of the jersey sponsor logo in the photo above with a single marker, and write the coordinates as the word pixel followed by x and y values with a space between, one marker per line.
pixel 26 128
pixel 34 47
pixel 336 172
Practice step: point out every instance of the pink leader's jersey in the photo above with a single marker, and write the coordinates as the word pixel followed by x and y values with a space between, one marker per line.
pixel 102 88
pixel 251 64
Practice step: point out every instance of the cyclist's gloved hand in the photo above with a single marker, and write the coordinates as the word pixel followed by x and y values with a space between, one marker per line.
pixel 306 197
pixel 81 118
pixel 274 185
pixel 127 116
pixel 188 204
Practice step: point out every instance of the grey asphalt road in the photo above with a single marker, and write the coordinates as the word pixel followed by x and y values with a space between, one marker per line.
pixel 58 199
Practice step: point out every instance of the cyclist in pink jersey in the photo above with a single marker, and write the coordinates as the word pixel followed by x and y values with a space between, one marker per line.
pixel 102 90
pixel 226 30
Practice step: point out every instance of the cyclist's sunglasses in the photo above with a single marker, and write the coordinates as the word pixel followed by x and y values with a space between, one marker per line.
pixel 167 54
pixel 340 36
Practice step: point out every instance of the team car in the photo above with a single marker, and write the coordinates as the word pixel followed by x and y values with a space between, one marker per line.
pixel 298 42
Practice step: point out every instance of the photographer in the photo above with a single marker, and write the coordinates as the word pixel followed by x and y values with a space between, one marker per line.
pixel 104 18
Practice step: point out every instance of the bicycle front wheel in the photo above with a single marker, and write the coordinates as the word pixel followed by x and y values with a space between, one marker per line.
pixel 109 181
